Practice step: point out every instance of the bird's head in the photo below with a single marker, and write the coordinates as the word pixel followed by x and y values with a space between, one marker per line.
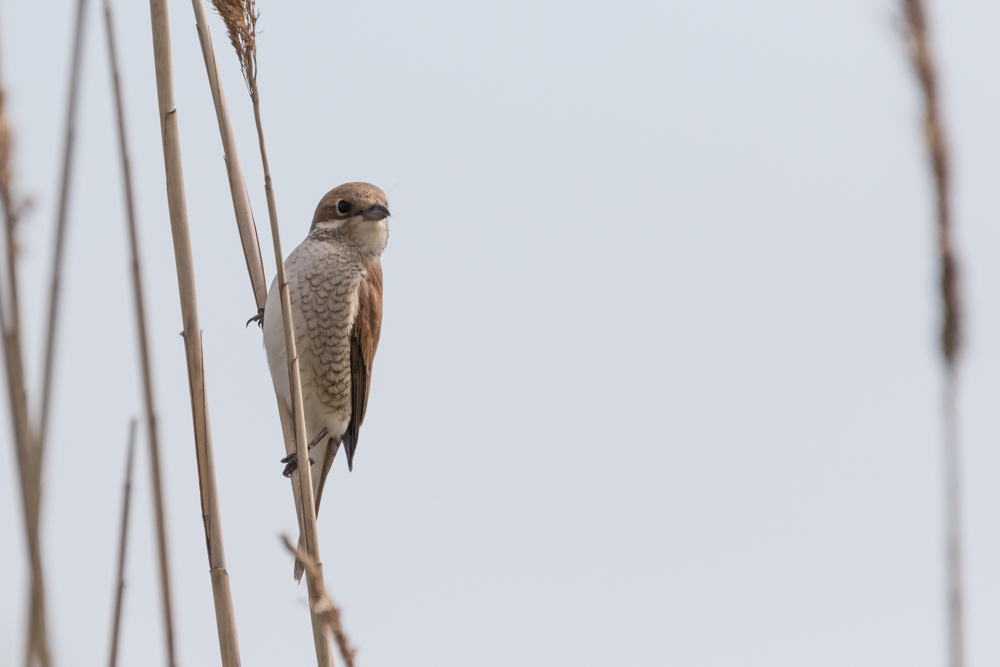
pixel 356 214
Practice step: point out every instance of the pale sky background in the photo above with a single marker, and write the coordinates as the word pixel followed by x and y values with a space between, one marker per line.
pixel 657 382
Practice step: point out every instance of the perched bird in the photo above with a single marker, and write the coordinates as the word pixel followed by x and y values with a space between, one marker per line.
pixel 335 284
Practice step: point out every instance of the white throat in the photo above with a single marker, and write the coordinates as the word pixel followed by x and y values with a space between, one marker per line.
pixel 368 236
pixel 373 236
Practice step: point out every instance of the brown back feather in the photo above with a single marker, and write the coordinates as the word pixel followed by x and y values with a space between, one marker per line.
pixel 364 341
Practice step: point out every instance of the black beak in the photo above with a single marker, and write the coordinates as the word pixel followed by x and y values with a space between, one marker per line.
pixel 376 212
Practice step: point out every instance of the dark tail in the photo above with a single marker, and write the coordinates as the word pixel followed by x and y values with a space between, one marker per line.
pixel 350 443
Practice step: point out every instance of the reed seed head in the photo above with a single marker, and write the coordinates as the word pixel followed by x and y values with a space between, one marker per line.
pixel 240 18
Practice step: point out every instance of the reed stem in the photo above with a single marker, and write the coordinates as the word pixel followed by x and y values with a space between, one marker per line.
pixel 237 184
pixel 240 18
pixel 57 262
pixel 69 143
pixel 120 589
pixel 225 617
pixel 303 487
pixel 25 439
pixel 177 207
pixel 323 605
pixel 953 522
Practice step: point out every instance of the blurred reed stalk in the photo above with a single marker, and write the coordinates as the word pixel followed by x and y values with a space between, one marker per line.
pixel 922 60
pixel 120 589
pixel 322 604
pixel 211 514
pixel 69 143
pixel 240 18
pixel 25 438
pixel 53 306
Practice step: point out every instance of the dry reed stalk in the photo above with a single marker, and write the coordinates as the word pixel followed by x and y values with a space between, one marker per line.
pixel 240 18
pixel 69 142
pixel 177 207
pixel 322 604
pixel 237 185
pixel 25 439
pixel 922 60
pixel 241 205
pixel 53 309
pixel 141 334
pixel 120 589
pixel 211 513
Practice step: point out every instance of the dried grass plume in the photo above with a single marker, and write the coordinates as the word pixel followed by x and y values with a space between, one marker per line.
pixel 240 17
pixel 14 206
pixel 922 59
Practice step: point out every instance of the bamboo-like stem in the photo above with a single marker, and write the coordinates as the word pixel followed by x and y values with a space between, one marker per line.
pixel 211 513
pixel 225 617
pixel 57 260
pixel 240 18
pixel 37 651
pixel 69 144
pixel 25 444
pixel 323 605
pixel 937 149
pixel 120 588
pixel 953 522
pixel 241 206
pixel 25 439
pixel 177 207
pixel 314 579
pixel 237 184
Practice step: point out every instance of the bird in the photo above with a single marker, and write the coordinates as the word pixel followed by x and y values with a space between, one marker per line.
pixel 335 286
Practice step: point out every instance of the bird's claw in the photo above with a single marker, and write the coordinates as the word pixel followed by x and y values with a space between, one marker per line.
pixel 292 463
pixel 292 460
pixel 258 318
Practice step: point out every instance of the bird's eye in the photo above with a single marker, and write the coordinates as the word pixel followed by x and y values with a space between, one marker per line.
pixel 343 207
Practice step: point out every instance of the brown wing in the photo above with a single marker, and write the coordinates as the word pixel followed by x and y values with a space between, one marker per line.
pixel 364 342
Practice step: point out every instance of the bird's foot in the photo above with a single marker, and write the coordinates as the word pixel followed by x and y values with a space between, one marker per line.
pixel 292 460
pixel 258 318
pixel 292 463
